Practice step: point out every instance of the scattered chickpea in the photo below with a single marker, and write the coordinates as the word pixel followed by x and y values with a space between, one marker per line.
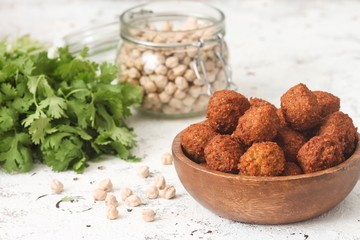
pixel 148 215
pixel 125 193
pixel 106 185
pixel 99 194
pixel 112 213
pixel 144 171
pixel 167 159
pixel 168 192
pixel 152 192
pixel 56 186
pixel 160 182
pixel 133 201
pixel 111 200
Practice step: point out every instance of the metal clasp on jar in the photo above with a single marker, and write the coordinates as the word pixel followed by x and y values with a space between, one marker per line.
pixel 198 63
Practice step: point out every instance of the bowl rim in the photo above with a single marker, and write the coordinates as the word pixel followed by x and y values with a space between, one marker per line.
pixel 180 156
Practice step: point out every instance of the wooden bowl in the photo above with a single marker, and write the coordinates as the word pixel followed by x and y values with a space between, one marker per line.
pixel 267 200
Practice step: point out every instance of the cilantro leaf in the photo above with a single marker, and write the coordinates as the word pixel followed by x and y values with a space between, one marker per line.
pixel 8 119
pixel 39 128
pixel 56 106
pixel 15 152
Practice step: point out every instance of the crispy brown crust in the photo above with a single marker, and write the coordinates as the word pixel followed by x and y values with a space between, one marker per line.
pixel 319 153
pixel 340 126
pixel 262 159
pixel 224 109
pixel 291 168
pixel 282 119
pixel 194 139
pixel 328 103
pixel 258 124
pixel 290 141
pixel 222 153
pixel 300 108
pixel 256 102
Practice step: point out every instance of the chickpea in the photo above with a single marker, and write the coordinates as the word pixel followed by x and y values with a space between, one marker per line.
pixel 179 94
pixel 160 81
pixel 164 97
pixel 167 27
pixel 148 215
pixel 160 182
pixel 106 185
pixel 190 75
pixel 56 186
pixel 181 83
pixel 188 101
pixel 144 171
pixel 168 192
pixel 125 193
pixel 161 70
pixel 167 159
pixel 179 70
pixel 172 62
pixel 99 194
pixel 133 201
pixel 112 213
pixel 170 88
pixel 152 192
pixel 175 103
pixel 111 200
pixel 134 73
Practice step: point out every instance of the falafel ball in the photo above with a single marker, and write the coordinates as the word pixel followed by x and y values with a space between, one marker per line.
pixel 281 116
pixel 340 126
pixel 222 153
pixel 224 109
pixel 328 103
pixel 300 108
pixel 194 139
pixel 291 168
pixel 258 124
pixel 319 153
pixel 290 141
pixel 256 102
pixel 262 159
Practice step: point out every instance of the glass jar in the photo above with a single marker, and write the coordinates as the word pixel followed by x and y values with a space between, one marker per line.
pixel 175 50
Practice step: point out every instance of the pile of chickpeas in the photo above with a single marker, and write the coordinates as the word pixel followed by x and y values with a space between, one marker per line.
pixel 167 74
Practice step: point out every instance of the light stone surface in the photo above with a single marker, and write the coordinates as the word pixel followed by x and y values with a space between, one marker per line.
pixel 274 44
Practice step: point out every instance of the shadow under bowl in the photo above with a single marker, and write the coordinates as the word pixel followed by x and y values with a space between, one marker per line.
pixel 267 200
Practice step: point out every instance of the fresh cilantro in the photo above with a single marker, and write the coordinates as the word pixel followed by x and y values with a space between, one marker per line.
pixel 62 111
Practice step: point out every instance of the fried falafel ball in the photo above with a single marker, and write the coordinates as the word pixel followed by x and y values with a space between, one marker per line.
pixel 340 126
pixel 222 153
pixel 256 102
pixel 290 141
pixel 262 159
pixel 194 139
pixel 319 153
pixel 224 109
pixel 281 116
pixel 300 108
pixel 258 124
pixel 328 103
pixel 291 168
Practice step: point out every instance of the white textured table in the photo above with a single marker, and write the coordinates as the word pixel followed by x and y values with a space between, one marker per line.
pixel 273 44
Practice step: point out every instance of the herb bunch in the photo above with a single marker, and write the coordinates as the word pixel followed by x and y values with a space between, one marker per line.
pixel 62 111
